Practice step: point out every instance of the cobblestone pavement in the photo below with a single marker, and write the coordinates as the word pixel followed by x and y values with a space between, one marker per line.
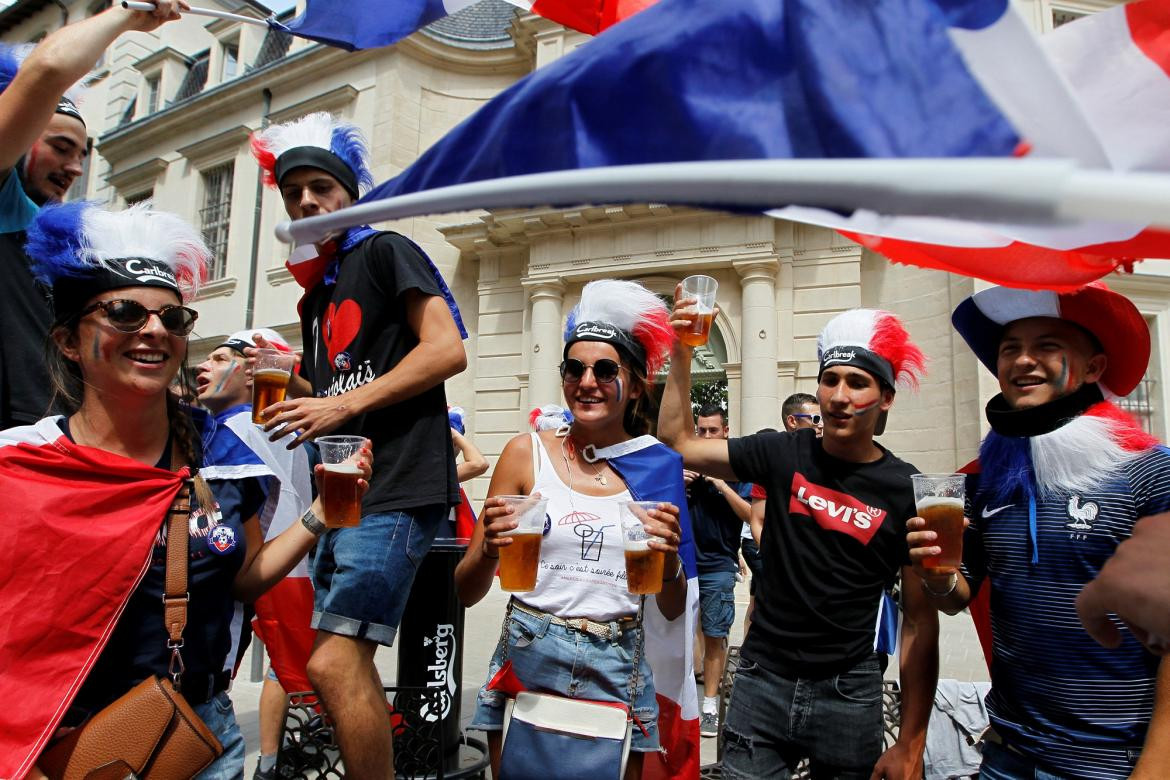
pixel 960 658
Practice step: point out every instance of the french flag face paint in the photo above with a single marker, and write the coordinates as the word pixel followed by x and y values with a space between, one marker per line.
pixel 618 385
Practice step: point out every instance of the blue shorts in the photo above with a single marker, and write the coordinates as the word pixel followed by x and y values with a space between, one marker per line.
pixel 558 659
pixel 716 602
pixel 362 575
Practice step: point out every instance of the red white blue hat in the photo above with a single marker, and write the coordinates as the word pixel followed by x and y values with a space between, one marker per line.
pixel 1110 317
pixel 317 140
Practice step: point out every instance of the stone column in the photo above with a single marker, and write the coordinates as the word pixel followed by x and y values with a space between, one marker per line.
pixel 760 401
pixel 544 381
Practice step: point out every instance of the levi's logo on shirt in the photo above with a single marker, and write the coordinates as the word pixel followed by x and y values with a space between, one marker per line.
pixel 834 511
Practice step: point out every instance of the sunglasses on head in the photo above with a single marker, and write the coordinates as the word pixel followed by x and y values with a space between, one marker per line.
pixel 604 370
pixel 814 418
pixel 129 316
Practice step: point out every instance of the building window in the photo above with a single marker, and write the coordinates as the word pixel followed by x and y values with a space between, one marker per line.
pixel 231 60
pixel 152 84
pixel 215 215
pixel 1142 403
pixel 139 197
pixel 1064 17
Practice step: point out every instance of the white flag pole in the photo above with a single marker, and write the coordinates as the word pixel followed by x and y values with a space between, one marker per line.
pixel 135 5
pixel 992 189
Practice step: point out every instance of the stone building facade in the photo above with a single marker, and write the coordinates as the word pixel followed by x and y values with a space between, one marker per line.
pixel 170 114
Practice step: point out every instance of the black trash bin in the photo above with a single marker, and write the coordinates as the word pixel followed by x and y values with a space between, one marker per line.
pixel 430 639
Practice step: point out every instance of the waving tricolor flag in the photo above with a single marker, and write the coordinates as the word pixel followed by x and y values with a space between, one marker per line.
pixel 653 472
pixel 685 81
pixel 375 23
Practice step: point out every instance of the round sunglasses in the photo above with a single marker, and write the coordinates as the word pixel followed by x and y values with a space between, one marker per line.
pixel 127 316
pixel 604 370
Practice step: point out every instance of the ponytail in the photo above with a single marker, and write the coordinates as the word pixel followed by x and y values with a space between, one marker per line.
pixel 187 443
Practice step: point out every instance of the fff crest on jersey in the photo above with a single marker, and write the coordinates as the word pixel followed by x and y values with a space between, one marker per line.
pixel 222 540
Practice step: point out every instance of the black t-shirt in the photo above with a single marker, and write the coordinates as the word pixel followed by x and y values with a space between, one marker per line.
pixel 138 646
pixel 715 526
pixel 356 331
pixel 834 538
pixel 25 317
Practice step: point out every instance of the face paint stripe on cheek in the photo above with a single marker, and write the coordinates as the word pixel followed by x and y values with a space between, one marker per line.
pixel 618 383
pixel 97 354
pixel 860 410
pixel 1063 380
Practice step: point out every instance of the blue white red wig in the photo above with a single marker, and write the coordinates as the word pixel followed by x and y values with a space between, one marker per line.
pixel 875 341
pixel 317 140
pixel 627 315
pixel 80 249
pixel 549 417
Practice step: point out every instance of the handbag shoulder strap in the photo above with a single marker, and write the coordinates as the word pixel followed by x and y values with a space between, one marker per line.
pixel 175 595
pixel 639 645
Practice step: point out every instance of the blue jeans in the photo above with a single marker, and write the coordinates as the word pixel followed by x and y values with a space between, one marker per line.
pixel 716 602
pixel 774 721
pixel 362 575
pixel 558 659
pixel 1001 763
pixel 221 720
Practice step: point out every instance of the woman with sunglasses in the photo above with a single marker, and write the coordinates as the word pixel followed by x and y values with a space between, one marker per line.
pixel 82 524
pixel 575 633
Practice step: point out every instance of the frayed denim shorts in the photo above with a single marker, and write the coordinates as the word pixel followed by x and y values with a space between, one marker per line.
pixel 557 659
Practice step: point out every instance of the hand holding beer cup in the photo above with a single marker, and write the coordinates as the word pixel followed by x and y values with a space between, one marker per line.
pixel 694 309
pixel 650 531
pixel 936 535
pixel 271 371
pixel 345 465
pixel 514 526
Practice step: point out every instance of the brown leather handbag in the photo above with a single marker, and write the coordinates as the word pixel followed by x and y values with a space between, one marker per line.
pixel 150 732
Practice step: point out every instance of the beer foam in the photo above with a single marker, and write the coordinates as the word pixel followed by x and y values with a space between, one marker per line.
pixel 930 502
pixel 637 545
pixel 343 468
pixel 273 372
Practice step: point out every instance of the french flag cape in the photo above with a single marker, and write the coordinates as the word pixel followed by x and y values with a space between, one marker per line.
pixel 653 472
pixel 76 529
pixel 375 23
pixel 283 614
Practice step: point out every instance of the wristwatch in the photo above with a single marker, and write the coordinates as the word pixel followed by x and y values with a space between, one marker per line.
pixel 312 523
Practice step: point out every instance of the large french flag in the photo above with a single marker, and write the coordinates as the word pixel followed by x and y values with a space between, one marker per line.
pixel 77 525
pixel 588 16
pixel 1096 91
pixel 653 472
pixel 283 614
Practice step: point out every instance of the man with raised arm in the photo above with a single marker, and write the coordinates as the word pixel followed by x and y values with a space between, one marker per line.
pixel 809 684
pixel 42 146
pixel 1062 478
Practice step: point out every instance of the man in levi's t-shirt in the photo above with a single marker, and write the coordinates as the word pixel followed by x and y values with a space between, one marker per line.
pixel 809 683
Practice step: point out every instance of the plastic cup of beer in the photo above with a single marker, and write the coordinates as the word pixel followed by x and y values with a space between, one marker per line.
pixel 939 500
pixel 520 560
pixel 643 563
pixel 702 289
pixel 340 498
pixel 270 375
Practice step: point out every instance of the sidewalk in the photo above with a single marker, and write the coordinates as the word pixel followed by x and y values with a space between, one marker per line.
pixel 960 658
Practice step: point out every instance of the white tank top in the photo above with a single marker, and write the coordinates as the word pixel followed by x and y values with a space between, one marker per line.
pixel 582 564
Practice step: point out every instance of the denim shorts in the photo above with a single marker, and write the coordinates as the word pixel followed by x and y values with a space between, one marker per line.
pixel 362 575
pixel 716 602
pixel 558 659
pixel 221 720
pixel 774 721
pixel 1002 763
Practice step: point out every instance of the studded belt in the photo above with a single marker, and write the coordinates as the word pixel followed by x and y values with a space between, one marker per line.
pixel 584 625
